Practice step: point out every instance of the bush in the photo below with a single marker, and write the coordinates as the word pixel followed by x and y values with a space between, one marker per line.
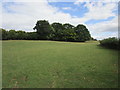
pixel 112 43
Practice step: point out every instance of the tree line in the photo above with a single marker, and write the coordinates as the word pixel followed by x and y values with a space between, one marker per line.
pixel 55 31
pixel 18 35
pixel 111 42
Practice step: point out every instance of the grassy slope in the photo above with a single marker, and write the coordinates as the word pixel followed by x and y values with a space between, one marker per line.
pixel 50 64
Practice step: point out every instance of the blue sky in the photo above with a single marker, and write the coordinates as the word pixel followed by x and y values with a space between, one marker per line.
pixel 71 8
pixel 99 17
pixel 79 11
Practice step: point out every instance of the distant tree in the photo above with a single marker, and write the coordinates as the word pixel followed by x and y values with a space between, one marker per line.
pixel 0 33
pixel 93 39
pixel 68 26
pixel 20 35
pixel 69 33
pixel 4 34
pixel 12 34
pixel 32 36
pixel 82 33
pixel 57 31
pixel 111 42
pixel 43 29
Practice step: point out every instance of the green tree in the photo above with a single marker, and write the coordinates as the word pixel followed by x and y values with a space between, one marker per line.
pixel 21 35
pixel 32 36
pixel 111 42
pixel 69 33
pixel 43 29
pixel 57 31
pixel 12 34
pixel 68 26
pixel 4 34
pixel 82 33
pixel 0 34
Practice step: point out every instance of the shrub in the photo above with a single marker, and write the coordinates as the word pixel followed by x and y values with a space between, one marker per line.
pixel 112 43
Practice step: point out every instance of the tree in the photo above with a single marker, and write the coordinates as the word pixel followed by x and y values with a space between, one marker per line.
pixel 4 34
pixel 111 42
pixel 0 34
pixel 69 34
pixel 12 34
pixel 93 39
pixel 82 33
pixel 68 26
pixel 57 31
pixel 32 36
pixel 21 35
pixel 43 29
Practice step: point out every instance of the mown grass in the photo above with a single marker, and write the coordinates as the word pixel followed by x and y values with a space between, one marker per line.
pixel 52 64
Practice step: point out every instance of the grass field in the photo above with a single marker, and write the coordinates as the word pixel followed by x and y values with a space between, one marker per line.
pixel 52 64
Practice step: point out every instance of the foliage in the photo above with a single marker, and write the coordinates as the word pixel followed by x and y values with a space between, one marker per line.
pixel 55 31
pixel 43 29
pixel 4 34
pixel 93 39
pixel 112 43
pixel 18 35
pixel 82 33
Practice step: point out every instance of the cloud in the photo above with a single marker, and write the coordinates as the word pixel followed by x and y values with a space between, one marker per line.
pixel 99 11
pixel 25 1
pixel 0 15
pixel 104 29
pixel 77 2
pixel 24 15
pixel 66 8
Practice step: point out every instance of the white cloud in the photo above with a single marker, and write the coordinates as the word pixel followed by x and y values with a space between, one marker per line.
pixel 77 2
pixel 0 15
pixel 67 8
pixel 99 10
pixel 104 29
pixel 25 1
pixel 27 13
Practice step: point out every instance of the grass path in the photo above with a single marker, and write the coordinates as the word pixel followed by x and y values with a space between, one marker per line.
pixel 52 64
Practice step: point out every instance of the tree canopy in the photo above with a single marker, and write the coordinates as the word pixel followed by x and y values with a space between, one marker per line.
pixel 62 32
pixel 43 29
pixel 47 31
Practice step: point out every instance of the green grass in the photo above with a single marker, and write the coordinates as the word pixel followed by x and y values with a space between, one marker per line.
pixel 52 64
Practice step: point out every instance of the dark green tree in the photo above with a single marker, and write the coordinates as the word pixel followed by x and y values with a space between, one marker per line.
pixel 21 35
pixel 4 34
pixel 69 33
pixel 68 26
pixel 0 33
pixel 57 31
pixel 12 34
pixel 43 29
pixel 111 42
pixel 32 36
pixel 82 33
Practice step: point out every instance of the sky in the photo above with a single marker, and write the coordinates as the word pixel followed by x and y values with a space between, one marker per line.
pixel 100 17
